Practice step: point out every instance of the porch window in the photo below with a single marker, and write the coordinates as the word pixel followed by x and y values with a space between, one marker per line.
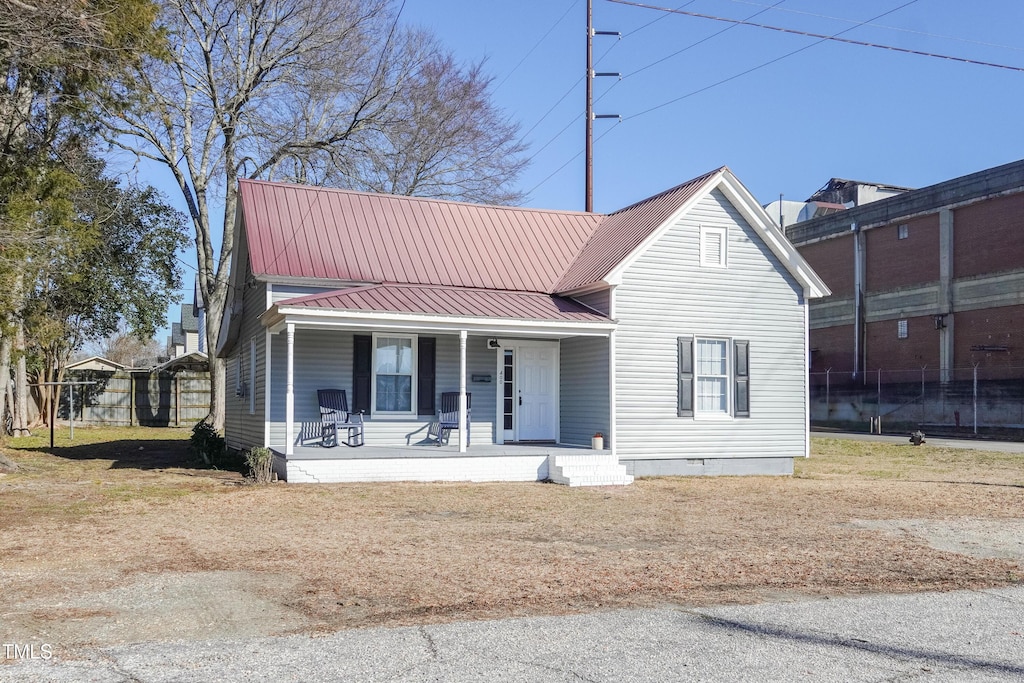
pixel 394 365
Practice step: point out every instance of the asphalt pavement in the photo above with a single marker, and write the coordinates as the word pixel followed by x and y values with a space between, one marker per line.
pixel 976 444
pixel 930 637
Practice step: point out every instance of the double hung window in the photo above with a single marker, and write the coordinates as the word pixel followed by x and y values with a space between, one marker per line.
pixel 394 367
pixel 714 377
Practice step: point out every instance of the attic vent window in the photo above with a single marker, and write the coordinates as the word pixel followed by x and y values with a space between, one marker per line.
pixel 901 329
pixel 713 243
pixel 902 231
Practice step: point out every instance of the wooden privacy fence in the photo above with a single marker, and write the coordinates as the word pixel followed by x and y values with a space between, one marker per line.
pixel 150 399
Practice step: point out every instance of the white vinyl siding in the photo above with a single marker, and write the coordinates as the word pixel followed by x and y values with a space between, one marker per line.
pixel 280 292
pixel 666 296
pixel 583 390
pixel 243 415
pixel 252 376
pixel 599 301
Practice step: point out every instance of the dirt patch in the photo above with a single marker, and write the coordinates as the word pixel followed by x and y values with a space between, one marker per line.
pixel 164 606
pixel 97 552
pixel 994 538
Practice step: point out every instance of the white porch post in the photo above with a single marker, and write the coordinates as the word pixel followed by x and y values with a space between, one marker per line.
pixel 462 391
pixel 289 396
pixel 613 432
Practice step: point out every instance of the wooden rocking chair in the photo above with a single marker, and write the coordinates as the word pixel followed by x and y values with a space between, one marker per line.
pixel 448 417
pixel 334 415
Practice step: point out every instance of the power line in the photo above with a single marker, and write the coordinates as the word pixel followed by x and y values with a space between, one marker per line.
pixel 654 21
pixel 572 5
pixel 699 42
pixel 572 159
pixel 759 66
pixel 548 113
pixel 882 26
pixel 824 37
pixel 559 101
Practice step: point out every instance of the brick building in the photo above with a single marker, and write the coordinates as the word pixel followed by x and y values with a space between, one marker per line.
pixel 928 278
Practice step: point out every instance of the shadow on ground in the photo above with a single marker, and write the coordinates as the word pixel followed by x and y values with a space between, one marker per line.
pixel 141 454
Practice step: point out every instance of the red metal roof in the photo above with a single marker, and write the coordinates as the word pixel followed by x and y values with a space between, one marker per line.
pixel 315 232
pixel 623 231
pixel 453 301
pixel 330 234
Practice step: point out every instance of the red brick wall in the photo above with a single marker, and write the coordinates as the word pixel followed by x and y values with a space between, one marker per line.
pixel 834 348
pixel 887 351
pixel 832 260
pixel 987 236
pixel 892 262
pixel 1003 326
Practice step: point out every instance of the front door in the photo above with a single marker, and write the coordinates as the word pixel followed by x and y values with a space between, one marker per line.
pixel 536 389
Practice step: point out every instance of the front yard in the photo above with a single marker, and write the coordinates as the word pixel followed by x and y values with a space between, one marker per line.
pixel 116 539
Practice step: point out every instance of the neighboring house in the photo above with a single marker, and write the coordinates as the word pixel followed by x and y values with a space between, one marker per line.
pixel 195 361
pixel 675 328
pixel 185 336
pixel 929 278
pixel 199 311
pixel 176 342
pixel 97 363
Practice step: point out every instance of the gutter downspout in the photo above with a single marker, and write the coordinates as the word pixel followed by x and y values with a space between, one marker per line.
pixel 858 298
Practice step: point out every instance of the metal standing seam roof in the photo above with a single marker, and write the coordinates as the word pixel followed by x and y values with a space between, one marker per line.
pixel 454 301
pixel 315 232
pixel 625 230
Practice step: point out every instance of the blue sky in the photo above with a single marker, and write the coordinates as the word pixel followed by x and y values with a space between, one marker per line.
pixel 788 126
pixel 831 110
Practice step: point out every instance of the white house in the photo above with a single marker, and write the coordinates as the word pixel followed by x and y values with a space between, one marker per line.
pixel 676 328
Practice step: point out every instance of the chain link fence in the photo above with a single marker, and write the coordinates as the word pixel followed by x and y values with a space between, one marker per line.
pixel 966 400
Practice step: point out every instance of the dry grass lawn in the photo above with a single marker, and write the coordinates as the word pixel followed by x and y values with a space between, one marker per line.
pixel 116 538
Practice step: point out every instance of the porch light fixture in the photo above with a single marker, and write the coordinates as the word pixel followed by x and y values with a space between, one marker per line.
pixel 493 344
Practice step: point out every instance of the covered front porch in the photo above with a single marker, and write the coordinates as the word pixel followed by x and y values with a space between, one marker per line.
pixel 571 465
pixel 542 381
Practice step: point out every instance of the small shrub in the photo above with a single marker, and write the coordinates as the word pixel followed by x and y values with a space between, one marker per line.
pixel 207 443
pixel 260 462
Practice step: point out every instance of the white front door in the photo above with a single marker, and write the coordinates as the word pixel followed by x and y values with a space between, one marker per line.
pixel 536 389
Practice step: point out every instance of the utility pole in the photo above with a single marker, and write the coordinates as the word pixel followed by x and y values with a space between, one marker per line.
pixel 589 181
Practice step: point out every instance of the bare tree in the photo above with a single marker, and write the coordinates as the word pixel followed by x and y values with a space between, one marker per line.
pixel 128 349
pixel 314 91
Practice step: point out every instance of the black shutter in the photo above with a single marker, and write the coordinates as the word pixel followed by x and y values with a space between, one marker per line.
pixel 684 406
pixel 742 356
pixel 362 360
pixel 425 387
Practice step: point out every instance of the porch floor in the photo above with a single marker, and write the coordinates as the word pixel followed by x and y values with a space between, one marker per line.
pixel 484 450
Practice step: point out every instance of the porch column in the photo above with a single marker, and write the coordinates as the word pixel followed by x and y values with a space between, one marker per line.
pixel 289 395
pixel 462 391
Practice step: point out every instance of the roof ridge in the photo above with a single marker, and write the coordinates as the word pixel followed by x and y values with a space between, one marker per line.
pixel 414 198
pixel 692 181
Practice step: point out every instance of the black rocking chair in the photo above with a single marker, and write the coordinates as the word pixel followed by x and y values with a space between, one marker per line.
pixel 334 415
pixel 448 417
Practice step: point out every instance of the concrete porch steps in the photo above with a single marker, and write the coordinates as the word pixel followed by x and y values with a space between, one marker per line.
pixel 587 470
